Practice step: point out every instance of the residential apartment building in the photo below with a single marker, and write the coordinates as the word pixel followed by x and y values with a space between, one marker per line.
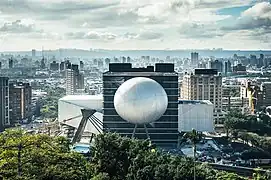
pixel 74 80
pixel 20 95
pixel 204 84
pixel 4 103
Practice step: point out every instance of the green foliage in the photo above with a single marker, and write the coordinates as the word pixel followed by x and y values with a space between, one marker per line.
pixel 50 102
pixel 228 176
pixel 124 158
pixel 114 158
pixel 41 156
pixel 236 120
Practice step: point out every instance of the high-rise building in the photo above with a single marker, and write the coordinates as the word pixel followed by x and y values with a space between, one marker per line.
pixel 218 65
pixel 260 61
pixel 33 53
pixel 20 95
pixel 54 66
pixel 194 58
pixel 253 60
pixel 81 65
pixel 62 66
pixel 239 68
pixel 42 63
pixel 4 103
pixel 266 93
pixel 128 59
pixel 123 59
pixel 10 63
pixel 204 84
pixel 227 67
pixel 164 131
pixel 74 80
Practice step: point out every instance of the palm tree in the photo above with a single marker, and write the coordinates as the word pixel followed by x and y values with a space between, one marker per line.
pixel 194 137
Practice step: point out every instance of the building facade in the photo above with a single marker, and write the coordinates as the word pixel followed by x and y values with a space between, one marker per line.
pixel 164 131
pixel 4 100
pixel 74 80
pixel 194 58
pixel 204 84
pixel 20 95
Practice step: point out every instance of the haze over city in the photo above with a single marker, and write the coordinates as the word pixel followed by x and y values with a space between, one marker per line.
pixel 141 24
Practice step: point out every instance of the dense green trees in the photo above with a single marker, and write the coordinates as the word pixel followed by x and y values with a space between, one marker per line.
pixel 235 120
pixel 40 157
pixel 50 102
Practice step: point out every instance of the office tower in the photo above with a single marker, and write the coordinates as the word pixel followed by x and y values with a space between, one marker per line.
pixel 253 60
pixel 54 66
pixel 123 59
pixel 164 131
pixel 20 95
pixel 260 61
pixel 100 63
pixel 4 103
pixel 33 53
pixel 194 58
pixel 42 63
pixel 204 84
pixel 227 67
pixel 81 65
pixel 218 65
pixel 10 63
pixel 107 61
pixel 62 66
pixel 266 93
pixel 128 59
pixel 239 68
pixel 74 80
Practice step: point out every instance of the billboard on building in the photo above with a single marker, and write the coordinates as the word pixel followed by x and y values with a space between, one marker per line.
pixel 196 115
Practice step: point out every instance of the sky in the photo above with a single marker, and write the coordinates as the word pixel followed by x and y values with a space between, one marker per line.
pixel 135 24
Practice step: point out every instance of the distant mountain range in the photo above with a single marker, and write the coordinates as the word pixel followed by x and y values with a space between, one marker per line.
pixel 137 53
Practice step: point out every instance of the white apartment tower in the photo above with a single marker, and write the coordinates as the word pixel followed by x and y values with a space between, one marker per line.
pixel 74 80
pixel 4 103
pixel 204 84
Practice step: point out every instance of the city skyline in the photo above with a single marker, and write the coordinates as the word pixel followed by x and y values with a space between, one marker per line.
pixel 129 24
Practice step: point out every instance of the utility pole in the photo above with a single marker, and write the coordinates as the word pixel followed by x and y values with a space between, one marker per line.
pixel 19 160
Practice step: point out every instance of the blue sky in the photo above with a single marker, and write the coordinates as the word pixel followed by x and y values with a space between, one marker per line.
pixel 135 24
pixel 233 11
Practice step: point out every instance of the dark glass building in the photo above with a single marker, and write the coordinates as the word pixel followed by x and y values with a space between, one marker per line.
pixel 164 131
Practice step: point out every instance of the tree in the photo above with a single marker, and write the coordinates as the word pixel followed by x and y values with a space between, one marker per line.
pixel 26 156
pixel 195 137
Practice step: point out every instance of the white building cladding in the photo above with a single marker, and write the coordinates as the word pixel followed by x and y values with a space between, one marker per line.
pixel 69 108
pixel 196 115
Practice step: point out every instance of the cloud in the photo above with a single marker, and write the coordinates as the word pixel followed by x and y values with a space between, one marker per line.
pixel 92 35
pixel 199 31
pixel 132 23
pixel 19 26
pixel 143 35
pixel 256 17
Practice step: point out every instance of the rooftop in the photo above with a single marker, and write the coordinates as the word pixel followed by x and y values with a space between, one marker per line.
pixel 195 102
pixel 81 97
pixel 108 73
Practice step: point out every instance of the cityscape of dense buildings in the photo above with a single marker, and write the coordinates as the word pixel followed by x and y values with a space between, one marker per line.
pixel 46 94
pixel 85 76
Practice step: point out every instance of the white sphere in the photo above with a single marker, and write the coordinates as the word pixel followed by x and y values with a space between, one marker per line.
pixel 140 100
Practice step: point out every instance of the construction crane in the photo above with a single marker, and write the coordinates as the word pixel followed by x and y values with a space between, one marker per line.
pixel 87 115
